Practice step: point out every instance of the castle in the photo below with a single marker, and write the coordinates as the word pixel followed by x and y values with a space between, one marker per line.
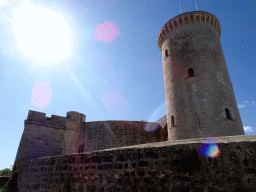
pixel 69 154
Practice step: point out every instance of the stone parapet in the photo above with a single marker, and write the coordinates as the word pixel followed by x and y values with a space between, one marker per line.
pixel 36 116
pixel 186 19
pixel 169 166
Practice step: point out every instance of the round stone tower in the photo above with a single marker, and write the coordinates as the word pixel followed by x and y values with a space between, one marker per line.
pixel 200 100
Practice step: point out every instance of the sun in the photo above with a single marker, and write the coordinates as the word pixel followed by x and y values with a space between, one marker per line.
pixel 42 35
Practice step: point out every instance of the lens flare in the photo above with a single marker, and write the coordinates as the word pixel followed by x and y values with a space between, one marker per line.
pixel 209 148
pixel 155 116
pixel 41 95
pixel 107 32
pixel 115 103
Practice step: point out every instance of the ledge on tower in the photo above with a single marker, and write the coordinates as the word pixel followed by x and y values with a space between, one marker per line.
pixel 187 18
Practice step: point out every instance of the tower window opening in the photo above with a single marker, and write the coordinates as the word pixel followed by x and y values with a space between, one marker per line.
pixel 81 149
pixel 166 53
pixel 191 72
pixel 227 113
pixel 172 120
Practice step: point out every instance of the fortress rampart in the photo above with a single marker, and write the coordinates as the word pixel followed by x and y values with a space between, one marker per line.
pixel 44 136
pixel 166 166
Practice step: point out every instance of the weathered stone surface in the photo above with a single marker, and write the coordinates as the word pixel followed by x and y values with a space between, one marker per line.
pixel 196 102
pixel 180 168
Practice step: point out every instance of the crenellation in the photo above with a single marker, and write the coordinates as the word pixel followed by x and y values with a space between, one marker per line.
pixel 58 120
pixel 185 19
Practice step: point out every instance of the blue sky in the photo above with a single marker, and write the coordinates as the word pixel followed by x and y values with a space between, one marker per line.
pixel 101 58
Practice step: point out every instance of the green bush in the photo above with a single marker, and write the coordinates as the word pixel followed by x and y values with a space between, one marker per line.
pixel 2 188
pixel 5 172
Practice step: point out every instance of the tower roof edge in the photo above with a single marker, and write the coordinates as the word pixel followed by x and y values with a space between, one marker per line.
pixel 186 19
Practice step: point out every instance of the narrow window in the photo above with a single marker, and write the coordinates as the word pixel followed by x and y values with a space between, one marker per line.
pixel 191 72
pixel 61 150
pixel 166 53
pixel 81 149
pixel 172 120
pixel 227 113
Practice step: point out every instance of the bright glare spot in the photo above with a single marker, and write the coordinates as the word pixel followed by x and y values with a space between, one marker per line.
pixel 41 95
pixel 3 2
pixel 247 128
pixel 42 35
pixel 107 32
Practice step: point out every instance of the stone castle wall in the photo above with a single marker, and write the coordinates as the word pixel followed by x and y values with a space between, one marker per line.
pixel 40 140
pixel 101 135
pixel 58 135
pixel 165 166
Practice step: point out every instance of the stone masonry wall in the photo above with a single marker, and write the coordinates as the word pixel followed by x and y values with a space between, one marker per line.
pixel 40 140
pixel 44 136
pixel 101 135
pixel 165 166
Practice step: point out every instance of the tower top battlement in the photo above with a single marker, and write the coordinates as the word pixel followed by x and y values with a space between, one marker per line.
pixel 186 19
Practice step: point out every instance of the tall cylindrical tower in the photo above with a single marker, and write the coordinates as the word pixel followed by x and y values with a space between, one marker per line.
pixel 200 100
